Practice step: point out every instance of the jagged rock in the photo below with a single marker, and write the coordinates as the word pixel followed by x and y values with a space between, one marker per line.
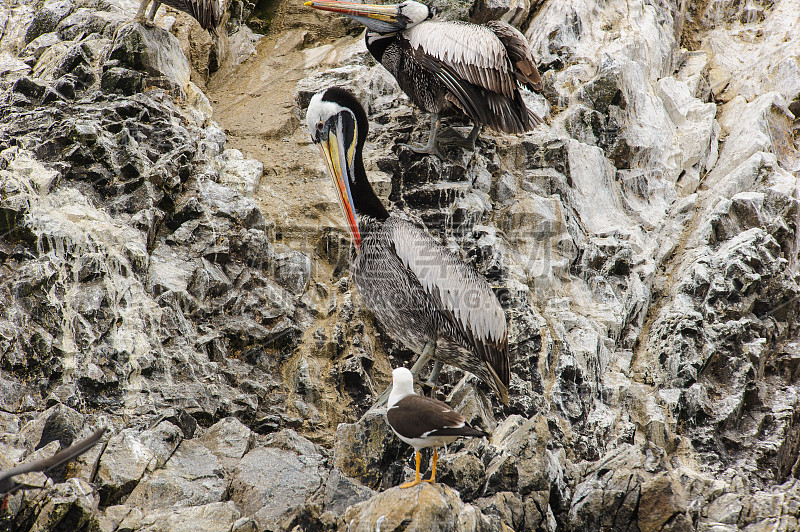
pixel 40 44
pixel 68 504
pixel 85 21
pixel 292 269
pixel 122 80
pixel 191 477
pixel 506 507
pixel 228 439
pixel 153 51
pixel 255 487
pixel 482 11
pixel 697 131
pixel 586 125
pixel 12 68
pixel 340 492
pixel 516 466
pixel 693 69
pixel 662 505
pixel 163 440
pixel 463 471
pixel 217 516
pixel 628 478
pixel 122 465
pixel 226 202
pixel 58 423
pixel 643 243
pixel 365 449
pixel 423 507
pixel 473 404
pixel 47 18
pixel 240 173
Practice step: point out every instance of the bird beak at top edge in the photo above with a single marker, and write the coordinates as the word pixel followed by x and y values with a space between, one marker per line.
pixel 386 13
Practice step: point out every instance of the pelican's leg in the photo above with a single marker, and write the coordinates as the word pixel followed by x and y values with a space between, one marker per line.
pixel 431 146
pixel 424 357
pixel 432 480
pixel 140 15
pixel 427 354
pixel 416 478
pixel 437 367
pixel 458 140
pixel 382 398
pixel 151 16
pixel 473 135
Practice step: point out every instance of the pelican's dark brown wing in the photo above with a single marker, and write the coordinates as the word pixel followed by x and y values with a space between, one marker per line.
pixel 481 67
pixel 516 45
pixel 468 307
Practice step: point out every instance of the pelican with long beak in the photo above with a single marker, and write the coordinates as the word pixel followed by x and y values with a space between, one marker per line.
pixel 477 68
pixel 423 294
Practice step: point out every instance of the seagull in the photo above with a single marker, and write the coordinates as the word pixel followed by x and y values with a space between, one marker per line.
pixel 423 422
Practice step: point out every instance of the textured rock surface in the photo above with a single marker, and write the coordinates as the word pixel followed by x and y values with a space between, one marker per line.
pixel 173 265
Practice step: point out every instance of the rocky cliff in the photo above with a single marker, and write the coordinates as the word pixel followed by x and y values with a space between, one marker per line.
pixel 173 265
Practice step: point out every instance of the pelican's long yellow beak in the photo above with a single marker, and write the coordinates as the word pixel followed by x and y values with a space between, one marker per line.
pixel 339 158
pixel 385 13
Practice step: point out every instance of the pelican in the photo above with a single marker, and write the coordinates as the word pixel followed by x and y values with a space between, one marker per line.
pixel 207 12
pixel 423 294
pixel 479 69
pixel 423 422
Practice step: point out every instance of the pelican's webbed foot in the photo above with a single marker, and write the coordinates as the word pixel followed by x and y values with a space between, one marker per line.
pixel 451 138
pixel 431 147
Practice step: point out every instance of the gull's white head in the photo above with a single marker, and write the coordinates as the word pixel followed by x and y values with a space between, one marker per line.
pixel 402 385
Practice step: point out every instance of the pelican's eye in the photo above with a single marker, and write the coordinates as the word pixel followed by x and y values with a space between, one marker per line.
pixel 320 125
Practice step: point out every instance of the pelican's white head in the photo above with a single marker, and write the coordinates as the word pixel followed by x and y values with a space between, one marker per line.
pixel 415 12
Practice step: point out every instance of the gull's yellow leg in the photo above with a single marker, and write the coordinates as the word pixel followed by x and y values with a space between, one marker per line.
pixel 432 480
pixel 416 479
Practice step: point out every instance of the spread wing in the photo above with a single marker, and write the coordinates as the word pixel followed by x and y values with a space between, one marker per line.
pixel 474 53
pixel 480 66
pixel 499 112
pixel 462 296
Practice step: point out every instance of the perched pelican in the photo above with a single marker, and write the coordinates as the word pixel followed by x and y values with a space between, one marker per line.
pixel 436 62
pixel 9 485
pixel 207 12
pixel 422 421
pixel 422 293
